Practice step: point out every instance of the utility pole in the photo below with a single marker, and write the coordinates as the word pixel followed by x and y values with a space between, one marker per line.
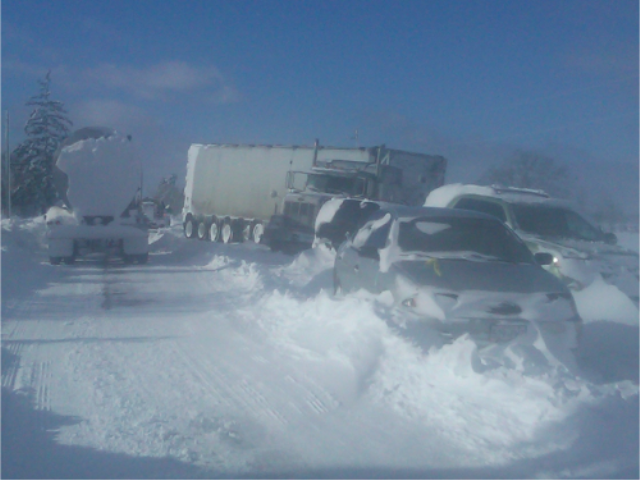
pixel 8 162
pixel 355 137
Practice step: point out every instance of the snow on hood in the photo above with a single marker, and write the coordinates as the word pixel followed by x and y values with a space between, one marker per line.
pixel 103 174
pixel 489 276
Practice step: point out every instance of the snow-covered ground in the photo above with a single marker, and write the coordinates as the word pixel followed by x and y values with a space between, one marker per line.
pixel 232 361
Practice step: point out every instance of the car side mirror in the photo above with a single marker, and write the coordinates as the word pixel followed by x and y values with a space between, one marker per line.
pixel 369 252
pixel 543 258
pixel 610 238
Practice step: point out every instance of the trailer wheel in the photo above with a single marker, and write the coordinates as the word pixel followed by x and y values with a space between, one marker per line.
pixel 245 230
pixel 189 227
pixel 226 232
pixel 127 259
pixel 143 258
pixel 69 260
pixel 55 260
pixel 214 230
pixel 202 231
pixel 257 230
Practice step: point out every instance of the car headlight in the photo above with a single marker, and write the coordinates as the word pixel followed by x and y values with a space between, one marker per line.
pixel 410 302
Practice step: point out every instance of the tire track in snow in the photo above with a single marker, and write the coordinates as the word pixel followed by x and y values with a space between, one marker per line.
pixel 10 372
pixel 224 387
pixel 313 396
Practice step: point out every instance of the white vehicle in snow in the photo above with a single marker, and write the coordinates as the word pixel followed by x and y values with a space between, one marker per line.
pixel 581 251
pixel 459 272
pixel 97 176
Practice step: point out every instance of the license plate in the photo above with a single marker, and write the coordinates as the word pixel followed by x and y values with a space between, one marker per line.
pixel 504 333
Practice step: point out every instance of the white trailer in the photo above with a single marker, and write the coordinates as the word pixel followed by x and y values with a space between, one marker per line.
pixel 232 191
pixel 97 176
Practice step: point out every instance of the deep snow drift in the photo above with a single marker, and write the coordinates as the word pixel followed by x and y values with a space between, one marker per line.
pixel 230 360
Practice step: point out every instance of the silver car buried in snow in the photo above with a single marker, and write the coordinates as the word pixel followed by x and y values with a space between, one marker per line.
pixel 458 272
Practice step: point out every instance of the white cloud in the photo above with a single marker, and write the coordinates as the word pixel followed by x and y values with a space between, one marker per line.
pixel 163 80
pixel 112 113
pixel 162 151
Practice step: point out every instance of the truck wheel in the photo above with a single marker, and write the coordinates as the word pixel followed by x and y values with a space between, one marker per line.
pixel 190 227
pixel 257 230
pixel 214 230
pixel 55 260
pixel 127 259
pixel 143 258
pixel 69 260
pixel 202 231
pixel 226 232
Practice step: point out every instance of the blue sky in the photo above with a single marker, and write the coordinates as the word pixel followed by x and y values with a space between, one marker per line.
pixel 471 80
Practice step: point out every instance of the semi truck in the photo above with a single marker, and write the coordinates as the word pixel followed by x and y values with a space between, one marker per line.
pixel 271 194
pixel 98 179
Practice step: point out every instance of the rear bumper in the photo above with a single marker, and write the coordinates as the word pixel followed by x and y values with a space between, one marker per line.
pixel 74 240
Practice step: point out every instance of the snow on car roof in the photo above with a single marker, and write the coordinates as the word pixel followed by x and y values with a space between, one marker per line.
pixel 409 213
pixel 443 196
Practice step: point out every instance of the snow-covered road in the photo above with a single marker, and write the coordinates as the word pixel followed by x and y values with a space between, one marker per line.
pixel 230 360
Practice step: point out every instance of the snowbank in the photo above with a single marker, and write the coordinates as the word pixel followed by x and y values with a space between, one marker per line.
pixel 283 379
pixel 601 301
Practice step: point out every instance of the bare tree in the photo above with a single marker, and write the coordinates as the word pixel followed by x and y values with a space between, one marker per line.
pixel 529 169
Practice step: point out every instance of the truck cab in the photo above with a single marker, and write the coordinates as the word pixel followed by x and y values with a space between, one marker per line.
pixel 294 229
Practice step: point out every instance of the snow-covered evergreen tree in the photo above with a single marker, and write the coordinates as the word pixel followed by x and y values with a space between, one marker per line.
pixel 32 161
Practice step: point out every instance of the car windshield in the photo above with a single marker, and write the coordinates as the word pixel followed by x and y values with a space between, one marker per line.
pixel 468 238
pixel 334 184
pixel 554 222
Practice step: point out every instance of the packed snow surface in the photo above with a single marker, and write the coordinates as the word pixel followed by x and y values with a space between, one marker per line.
pixel 229 360
pixel 104 175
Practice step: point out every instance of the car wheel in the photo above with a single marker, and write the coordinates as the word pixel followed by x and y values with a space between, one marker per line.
pixel 275 246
